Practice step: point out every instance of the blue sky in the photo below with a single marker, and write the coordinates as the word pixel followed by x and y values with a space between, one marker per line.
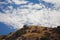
pixel 15 6
pixel 4 29
pixel 12 7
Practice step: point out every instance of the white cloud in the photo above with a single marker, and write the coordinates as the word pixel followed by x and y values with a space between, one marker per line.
pixel 44 17
pixel 20 1
pixel 52 1
pixel 55 2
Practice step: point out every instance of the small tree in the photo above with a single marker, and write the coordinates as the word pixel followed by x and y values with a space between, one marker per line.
pixel 58 29
pixel 25 27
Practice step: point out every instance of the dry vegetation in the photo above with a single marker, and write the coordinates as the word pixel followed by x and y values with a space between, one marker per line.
pixel 34 33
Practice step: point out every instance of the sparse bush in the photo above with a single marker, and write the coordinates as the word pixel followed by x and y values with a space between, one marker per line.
pixel 44 38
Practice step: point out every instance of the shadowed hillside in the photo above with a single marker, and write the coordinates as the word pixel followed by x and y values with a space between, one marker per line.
pixel 34 33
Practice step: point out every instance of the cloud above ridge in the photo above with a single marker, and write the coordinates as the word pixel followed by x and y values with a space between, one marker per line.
pixel 30 14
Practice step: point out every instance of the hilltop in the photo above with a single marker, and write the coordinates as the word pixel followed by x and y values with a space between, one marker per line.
pixel 34 33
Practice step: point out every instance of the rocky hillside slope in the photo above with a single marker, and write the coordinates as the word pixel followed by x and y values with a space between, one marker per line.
pixel 34 33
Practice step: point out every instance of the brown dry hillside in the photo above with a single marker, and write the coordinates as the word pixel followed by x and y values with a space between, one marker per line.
pixel 34 33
